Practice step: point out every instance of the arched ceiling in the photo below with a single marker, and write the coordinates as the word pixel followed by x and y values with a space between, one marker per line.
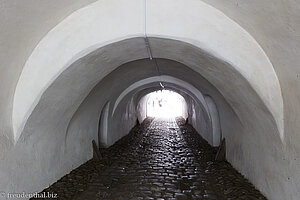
pixel 179 84
pixel 22 25
pixel 219 54
pixel 28 35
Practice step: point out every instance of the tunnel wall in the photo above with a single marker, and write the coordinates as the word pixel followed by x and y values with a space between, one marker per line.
pixel 198 120
pixel 220 52
pixel 214 120
pixel 254 148
pixel 142 108
pixel 126 116
pixel 245 56
pixel 75 130
pixel 103 126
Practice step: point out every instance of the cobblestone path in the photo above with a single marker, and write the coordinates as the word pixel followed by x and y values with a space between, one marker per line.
pixel 158 160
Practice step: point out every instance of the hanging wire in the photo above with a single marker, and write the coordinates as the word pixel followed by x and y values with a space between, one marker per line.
pixel 148 45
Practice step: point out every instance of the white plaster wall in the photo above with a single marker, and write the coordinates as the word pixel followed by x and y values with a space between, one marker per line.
pixel 127 118
pixel 22 26
pixel 86 39
pixel 215 122
pixel 200 122
pixel 212 55
pixel 185 113
pixel 82 126
pixel 218 34
pixel 103 126
pixel 253 147
pixel 275 26
pixel 142 108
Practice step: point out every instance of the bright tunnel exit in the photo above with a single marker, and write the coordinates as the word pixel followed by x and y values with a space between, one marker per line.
pixel 165 104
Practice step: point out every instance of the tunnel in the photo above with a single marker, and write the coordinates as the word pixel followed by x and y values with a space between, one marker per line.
pixel 111 83
pixel 163 104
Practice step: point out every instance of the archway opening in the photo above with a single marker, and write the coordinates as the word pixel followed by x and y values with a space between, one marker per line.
pixel 165 104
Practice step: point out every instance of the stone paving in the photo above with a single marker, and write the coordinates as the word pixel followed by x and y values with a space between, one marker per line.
pixel 160 159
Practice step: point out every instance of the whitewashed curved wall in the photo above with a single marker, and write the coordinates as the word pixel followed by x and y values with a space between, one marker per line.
pixel 215 121
pixel 268 157
pixel 214 33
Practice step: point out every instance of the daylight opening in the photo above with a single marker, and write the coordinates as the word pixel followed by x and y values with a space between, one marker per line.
pixel 165 104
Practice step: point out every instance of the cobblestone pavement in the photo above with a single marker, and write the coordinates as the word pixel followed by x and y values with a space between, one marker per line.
pixel 160 159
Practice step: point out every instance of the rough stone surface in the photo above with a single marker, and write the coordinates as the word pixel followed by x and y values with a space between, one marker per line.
pixel 160 159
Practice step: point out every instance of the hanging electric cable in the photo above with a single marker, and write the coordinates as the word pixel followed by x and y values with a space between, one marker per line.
pixel 148 44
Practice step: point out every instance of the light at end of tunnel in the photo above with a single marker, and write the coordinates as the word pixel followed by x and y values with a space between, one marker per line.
pixel 165 104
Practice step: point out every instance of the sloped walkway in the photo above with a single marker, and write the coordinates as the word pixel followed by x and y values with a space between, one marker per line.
pixel 157 160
